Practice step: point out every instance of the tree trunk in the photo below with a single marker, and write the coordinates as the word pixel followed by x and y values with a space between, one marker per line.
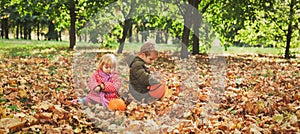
pixel 196 24
pixel 25 30
pixel 166 37
pixel 290 31
pixel 29 31
pixel 5 29
pixel 195 41
pixel 72 26
pixel 144 35
pixel 126 27
pixel 288 42
pixel 59 35
pixel 137 36
pixel 21 30
pixel 186 32
pixel 158 36
pixel 85 36
pixel 185 42
pixel 2 29
pixel 52 33
pixel 130 33
pixel 17 30
pixel 38 30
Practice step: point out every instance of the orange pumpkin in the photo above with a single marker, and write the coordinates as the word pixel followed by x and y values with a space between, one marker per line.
pixel 117 104
pixel 157 90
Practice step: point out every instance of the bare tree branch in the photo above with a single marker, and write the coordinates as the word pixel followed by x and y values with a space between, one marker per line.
pixel 274 20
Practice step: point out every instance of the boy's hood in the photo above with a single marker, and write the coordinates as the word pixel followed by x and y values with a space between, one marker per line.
pixel 130 59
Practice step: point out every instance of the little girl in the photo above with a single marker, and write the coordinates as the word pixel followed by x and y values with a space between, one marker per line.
pixel 104 83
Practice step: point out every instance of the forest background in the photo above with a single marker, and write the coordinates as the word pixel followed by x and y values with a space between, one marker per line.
pixel 194 24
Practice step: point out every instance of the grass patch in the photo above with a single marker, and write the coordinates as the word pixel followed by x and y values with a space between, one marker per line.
pixel 128 47
pixel 160 47
pixel 15 43
pixel 24 48
pixel 252 50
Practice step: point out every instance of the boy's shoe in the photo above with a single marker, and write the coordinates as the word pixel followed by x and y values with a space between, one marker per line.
pixel 127 99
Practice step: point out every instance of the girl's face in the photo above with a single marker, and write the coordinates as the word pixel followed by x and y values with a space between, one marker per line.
pixel 107 68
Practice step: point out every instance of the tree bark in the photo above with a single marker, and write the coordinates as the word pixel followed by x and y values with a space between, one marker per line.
pixel 290 31
pixel 29 31
pixel 288 42
pixel 126 28
pixel 196 24
pixel 166 36
pixel 21 30
pixel 130 33
pixel 5 29
pixel 52 33
pixel 137 36
pixel 2 29
pixel 38 30
pixel 158 38
pixel 25 30
pixel 17 30
pixel 185 42
pixel 186 32
pixel 72 26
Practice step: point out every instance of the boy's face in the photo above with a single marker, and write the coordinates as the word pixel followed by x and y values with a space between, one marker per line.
pixel 151 58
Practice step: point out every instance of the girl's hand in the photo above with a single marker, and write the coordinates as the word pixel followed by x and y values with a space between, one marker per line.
pixel 97 89
pixel 102 86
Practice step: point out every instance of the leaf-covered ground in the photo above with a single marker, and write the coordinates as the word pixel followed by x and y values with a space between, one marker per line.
pixel 210 94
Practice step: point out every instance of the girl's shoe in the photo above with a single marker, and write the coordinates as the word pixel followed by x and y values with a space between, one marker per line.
pixel 75 101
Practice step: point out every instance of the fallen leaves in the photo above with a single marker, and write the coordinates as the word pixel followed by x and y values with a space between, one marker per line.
pixel 11 124
pixel 249 95
pixel 36 92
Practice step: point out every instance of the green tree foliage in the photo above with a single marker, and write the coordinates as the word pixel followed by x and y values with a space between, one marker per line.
pixel 285 16
pixel 124 19
pixel 268 23
pixel 53 14
pixel 228 17
pixel 261 32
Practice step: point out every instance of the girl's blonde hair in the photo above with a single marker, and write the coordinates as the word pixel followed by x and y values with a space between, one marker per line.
pixel 108 59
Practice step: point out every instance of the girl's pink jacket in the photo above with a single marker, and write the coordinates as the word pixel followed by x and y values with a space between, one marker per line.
pixel 111 83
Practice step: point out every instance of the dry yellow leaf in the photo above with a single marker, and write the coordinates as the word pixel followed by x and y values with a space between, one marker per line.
pixel 12 123
pixel 22 93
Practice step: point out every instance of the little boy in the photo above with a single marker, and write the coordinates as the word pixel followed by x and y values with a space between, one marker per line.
pixel 140 77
